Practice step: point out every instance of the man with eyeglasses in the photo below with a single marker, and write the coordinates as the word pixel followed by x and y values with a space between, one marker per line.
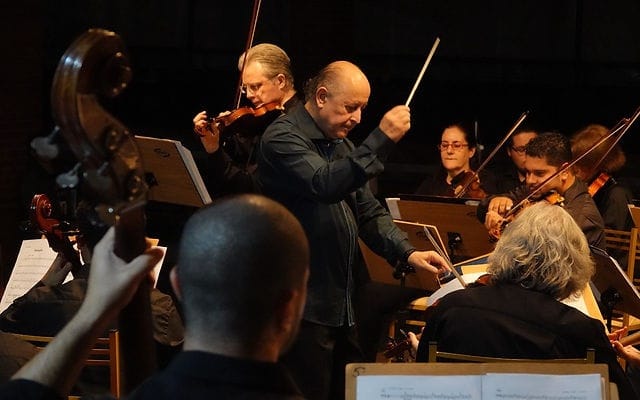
pixel 306 162
pixel 515 176
pixel 267 79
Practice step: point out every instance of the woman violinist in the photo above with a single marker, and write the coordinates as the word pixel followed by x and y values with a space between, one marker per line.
pixel 610 197
pixel 546 157
pixel 267 82
pixel 457 150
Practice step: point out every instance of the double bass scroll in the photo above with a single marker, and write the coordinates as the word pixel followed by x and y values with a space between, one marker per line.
pixel 109 173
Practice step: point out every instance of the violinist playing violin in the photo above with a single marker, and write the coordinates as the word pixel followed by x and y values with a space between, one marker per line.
pixel 267 82
pixel 541 259
pixel 610 196
pixel 546 155
pixel 457 151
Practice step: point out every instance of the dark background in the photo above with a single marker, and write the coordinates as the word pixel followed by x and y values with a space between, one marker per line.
pixel 570 63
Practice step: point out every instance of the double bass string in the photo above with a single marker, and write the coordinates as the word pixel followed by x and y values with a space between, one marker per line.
pixel 424 68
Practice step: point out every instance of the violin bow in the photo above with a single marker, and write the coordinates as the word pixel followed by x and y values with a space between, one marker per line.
pixel 622 125
pixel 597 164
pixel 476 173
pixel 252 31
pixel 444 255
pixel 424 68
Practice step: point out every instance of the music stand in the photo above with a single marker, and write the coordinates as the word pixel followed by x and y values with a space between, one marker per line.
pixel 379 267
pixel 466 237
pixel 616 290
pixel 171 172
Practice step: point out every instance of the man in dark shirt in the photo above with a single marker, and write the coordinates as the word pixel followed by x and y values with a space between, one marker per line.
pixel 307 163
pixel 241 277
pixel 545 155
pixel 541 259
pixel 514 174
pixel 267 80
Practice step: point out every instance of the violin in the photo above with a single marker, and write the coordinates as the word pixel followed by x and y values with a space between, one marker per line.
pixel 56 232
pixel 553 198
pixel 247 120
pixel 598 183
pixel 467 184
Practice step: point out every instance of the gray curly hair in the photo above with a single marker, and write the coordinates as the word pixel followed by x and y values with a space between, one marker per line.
pixel 544 250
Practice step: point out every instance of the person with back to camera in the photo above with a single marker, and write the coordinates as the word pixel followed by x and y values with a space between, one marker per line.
pixel 241 278
pixel 541 259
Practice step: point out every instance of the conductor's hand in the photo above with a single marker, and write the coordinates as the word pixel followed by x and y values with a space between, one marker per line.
pixel 428 261
pixel 209 133
pixel 396 122
pixel 113 282
pixel 500 205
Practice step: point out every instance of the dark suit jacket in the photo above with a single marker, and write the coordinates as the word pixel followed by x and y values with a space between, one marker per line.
pixel 509 321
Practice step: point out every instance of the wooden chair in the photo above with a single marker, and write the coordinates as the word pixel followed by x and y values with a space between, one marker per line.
pixel 436 355
pixel 105 352
pixel 628 244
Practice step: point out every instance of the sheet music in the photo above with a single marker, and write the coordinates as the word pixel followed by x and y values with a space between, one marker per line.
pixel 503 386
pixel 392 205
pixel 418 387
pixel 578 303
pixel 193 172
pixel 452 286
pixel 34 259
pixel 506 386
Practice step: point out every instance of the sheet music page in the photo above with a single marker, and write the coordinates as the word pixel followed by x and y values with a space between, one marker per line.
pixel 155 272
pixel 392 205
pixel 419 387
pixel 578 303
pixel 34 259
pixel 452 286
pixel 190 163
pixel 538 386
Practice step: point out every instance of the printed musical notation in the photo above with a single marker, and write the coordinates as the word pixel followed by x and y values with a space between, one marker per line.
pixel 34 259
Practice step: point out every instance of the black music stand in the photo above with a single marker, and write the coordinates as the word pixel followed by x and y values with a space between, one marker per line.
pixel 615 287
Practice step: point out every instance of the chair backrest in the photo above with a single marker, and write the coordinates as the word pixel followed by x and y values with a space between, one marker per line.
pixel 105 352
pixel 442 356
pixel 626 242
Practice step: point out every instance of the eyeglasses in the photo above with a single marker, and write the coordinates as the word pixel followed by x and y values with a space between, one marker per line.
pixel 455 146
pixel 254 87
pixel 518 149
